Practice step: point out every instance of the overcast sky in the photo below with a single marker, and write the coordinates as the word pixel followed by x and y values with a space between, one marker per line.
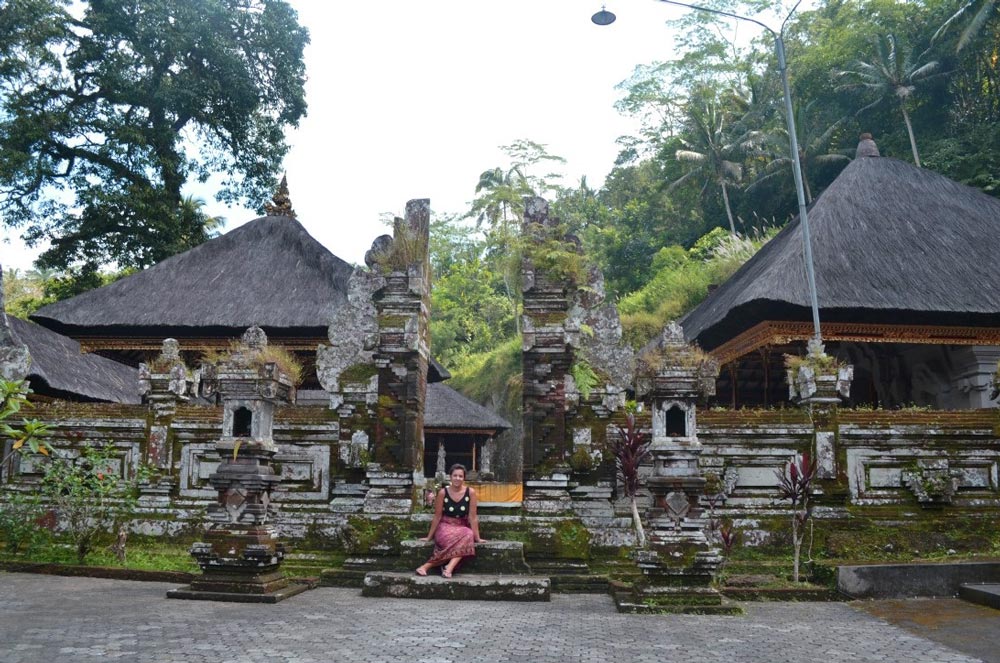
pixel 412 100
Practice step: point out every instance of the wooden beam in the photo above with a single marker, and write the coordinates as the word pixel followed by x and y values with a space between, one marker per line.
pixel 771 332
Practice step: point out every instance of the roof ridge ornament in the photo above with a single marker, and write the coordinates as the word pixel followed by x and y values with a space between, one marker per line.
pixel 281 203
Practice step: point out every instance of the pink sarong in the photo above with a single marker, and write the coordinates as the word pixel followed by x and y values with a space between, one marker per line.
pixel 452 538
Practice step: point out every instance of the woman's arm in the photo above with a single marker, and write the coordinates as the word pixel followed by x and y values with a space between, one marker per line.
pixel 474 515
pixel 438 509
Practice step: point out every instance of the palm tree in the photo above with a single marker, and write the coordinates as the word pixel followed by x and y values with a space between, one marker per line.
pixel 891 74
pixel 814 140
pixel 975 25
pixel 712 151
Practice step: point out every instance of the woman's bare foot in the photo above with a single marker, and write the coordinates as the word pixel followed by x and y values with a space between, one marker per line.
pixel 446 573
pixel 422 570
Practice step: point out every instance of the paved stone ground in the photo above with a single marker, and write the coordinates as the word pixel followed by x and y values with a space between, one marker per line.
pixel 52 619
pixel 970 628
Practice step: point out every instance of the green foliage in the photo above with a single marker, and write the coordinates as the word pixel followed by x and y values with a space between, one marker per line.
pixel 19 526
pixel 408 249
pixel 472 310
pixel 29 436
pixel 493 378
pixel 581 460
pixel 682 284
pixel 89 495
pixel 572 540
pixel 121 104
pixel 584 377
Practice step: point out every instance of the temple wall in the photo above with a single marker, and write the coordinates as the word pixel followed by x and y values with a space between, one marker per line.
pixel 914 463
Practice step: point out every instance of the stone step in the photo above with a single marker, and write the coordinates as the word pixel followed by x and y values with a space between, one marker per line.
pixel 342 578
pixel 491 556
pixel 567 583
pixel 985 594
pixel 463 586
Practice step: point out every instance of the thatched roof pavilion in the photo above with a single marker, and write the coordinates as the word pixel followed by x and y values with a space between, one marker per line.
pixel 458 425
pixel 447 410
pixel 902 255
pixel 269 272
pixel 58 370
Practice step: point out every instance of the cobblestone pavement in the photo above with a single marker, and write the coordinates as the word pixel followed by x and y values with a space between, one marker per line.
pixel 52 619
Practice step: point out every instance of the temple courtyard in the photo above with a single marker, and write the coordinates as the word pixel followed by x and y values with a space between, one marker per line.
pixel 47 618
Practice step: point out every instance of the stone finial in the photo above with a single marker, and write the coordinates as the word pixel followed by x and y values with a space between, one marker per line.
pixel 536 210
pixel 254 338
pixel 381 247
pixel 171 350
pixel 867 147
pixel 281 204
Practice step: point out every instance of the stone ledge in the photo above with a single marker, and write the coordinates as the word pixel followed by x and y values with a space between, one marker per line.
pixel 234 597
pixel 887 581
pixel 462 587
pixel 988 595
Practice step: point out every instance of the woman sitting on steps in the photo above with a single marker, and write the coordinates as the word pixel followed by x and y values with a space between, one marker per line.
pixel 455 527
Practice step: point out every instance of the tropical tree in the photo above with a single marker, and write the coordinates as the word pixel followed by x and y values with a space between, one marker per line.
pixel 814 145
pixel 499 205
pixel 891 73
pixel 976 13
pixel 107 109
pixel 712 151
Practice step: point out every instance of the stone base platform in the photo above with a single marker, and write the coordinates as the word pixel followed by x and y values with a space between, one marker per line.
pixel 281 594
pixel 988 595
pixel 498 557
pixel 468 586
pixel 671 600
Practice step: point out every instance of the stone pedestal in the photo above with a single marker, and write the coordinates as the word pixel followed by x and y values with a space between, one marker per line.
pixel 241 554
pixel 679 564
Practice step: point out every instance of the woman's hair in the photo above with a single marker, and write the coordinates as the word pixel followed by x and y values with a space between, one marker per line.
pixel 458 466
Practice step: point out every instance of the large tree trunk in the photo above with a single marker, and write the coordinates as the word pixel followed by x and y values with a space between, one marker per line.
pixel 913 141
pixel 729 212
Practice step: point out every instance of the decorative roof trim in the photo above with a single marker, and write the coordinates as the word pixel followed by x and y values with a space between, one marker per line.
pixel 98 343
pixel 771 332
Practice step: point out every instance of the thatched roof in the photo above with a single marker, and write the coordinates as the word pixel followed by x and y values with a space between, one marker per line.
pixel 58 369
pixel 269 272
pixel 892 243
pixel 446 408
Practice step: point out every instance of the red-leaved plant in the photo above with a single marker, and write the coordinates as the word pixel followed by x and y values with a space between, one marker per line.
pixel 795 484
pixel 630 449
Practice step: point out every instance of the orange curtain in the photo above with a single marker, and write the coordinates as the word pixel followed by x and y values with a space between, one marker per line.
pixel 498 492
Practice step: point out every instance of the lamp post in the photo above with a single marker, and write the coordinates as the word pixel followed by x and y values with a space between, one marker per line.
pixel 605 17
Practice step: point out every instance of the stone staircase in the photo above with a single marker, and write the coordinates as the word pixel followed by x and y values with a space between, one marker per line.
pixel 498 572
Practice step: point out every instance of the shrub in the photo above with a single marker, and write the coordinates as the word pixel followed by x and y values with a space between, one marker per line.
pixel 88 495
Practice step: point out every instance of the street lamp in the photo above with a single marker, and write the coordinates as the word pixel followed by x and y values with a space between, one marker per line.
pixel 604 17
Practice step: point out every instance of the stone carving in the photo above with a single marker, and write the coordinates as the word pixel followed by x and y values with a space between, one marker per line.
pixel 933 482
pixel 281 203
pixel 676 506
pixel 819 379
pixel 441 470
pixel 14 358
pixel 353 334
